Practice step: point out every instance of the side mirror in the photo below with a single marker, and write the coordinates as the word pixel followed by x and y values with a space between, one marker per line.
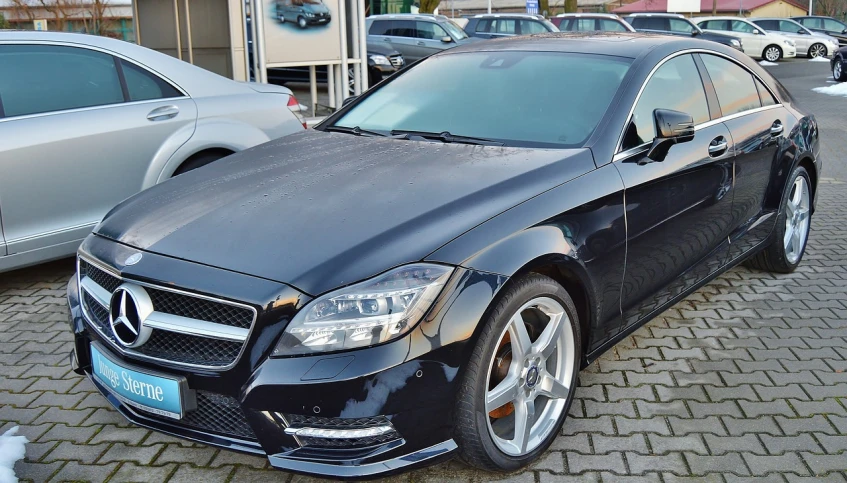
pixel 695 33
pixel 802 32
pixel 672 127
pixel 348 100
pixel 446 40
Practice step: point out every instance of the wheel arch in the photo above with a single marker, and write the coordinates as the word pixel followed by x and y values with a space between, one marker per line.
pixel 220 152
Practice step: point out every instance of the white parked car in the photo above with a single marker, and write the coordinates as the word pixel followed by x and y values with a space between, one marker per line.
pixel 87 121
pixel 756 42
pixel 809 43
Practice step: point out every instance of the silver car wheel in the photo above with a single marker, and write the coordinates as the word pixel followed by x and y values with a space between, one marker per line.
pixel 772 54
pixel 836 71
pixel 796 220
pixel 529 381
pixel 817 50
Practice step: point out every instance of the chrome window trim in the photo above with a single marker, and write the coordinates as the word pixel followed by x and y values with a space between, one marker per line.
pixel 196 329
pixel 103 51
pixel 711 122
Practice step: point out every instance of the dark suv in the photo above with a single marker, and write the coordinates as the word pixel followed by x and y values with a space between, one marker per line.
pixel 826 25
pixel 675 24
pixel 495 25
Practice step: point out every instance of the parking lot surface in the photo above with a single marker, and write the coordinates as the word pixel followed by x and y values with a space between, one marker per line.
pixel 745 378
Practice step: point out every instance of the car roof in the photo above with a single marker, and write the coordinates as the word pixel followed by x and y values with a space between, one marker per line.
pixel 620 44
pixel 661 15
pixel 721 17
pixel 410 16
pixel 509 15
pixel 196 81
pixel 588 15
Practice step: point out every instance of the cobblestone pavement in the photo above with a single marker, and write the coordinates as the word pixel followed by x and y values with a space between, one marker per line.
pixel 745 378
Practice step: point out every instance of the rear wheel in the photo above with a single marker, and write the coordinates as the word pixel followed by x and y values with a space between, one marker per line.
pixel 521 377
pixel 772 53
pixel 838 72
pixel 784 253
pixel 817 50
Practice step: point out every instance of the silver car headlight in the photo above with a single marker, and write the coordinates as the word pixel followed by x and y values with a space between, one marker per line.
pixel 735 43
pixel 371 312
pixel 380 59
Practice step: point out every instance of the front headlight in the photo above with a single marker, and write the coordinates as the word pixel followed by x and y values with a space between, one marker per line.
pixel 735 43
pixel 380 59
pixel 371 312
pixel 789 42
pixel 310 14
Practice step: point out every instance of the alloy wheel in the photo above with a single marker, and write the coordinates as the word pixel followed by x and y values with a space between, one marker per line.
pixel 796 220
pixel 817 50
pixel 772 54
pixel 836 71
pixel 530 376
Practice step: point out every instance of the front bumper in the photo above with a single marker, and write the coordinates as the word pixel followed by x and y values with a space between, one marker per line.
pixel 409 383
pixel 318 20
pixel 789 52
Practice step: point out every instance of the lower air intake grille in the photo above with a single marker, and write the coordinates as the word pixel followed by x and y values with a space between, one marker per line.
pixel 215 413
pixel 189 349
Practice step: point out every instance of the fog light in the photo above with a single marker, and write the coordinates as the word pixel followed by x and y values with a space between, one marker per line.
pixel 339 433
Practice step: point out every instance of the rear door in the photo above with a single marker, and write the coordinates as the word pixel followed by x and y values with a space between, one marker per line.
pixel 758 128
pixel 81 127
pixel 678 211
pixel 430 37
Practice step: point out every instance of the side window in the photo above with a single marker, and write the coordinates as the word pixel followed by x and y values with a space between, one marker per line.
pixel 483 25
pixel 769 24
pixel 586 25
pixel 529 27
pixel 734 85
pixel 143 85
pixel 505 26
pixel 716 25
pixel 765 95
pixel 812 23
pixel 567 25
pixel 677 25
pixel 789 27
pixel 430 31
pixel 402 28
pixel 675 85
pixel 636 22
pixel 611 26
pixel 833 25
pixel 45 78
pixel 744 27
pixel 380 27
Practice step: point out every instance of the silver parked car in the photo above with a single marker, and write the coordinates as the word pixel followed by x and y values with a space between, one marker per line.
pixel 87 121
pixel 809 43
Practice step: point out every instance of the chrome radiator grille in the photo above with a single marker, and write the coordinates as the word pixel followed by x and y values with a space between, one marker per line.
pixel 206 332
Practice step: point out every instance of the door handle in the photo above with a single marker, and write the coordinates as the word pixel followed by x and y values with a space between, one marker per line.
pixel 162 113
pixel 387 39
pixel 776 128
pixel 718 146
pixel 421 43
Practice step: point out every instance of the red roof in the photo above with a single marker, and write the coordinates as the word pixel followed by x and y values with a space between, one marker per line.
pixel 705 6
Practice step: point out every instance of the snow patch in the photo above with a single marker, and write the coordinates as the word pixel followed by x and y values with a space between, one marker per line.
pixel 819 59
pixel 12 448
pixel 767 64
pixel 834 90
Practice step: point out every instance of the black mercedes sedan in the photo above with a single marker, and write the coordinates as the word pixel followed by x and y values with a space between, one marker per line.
pixel 423 275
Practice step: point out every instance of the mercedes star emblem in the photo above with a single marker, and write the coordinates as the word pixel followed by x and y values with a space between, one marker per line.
pixel 129 308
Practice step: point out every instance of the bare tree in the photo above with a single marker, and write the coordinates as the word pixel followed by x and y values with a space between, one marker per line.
pixel 428 6
pixel 92 14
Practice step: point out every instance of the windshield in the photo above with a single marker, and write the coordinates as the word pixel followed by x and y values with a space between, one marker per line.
pixel 541 99
pixel 454 30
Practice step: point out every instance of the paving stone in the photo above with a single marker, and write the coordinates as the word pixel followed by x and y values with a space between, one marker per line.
pixel 762 465
pixel 142 455
pixel 814 424
pixel 781 444
pixel 665 444
pixel 177 454
pixel 613 462
pixel 85 453
pixel 244 474
pixel 733 444
pixel 190 474
pixel 671 462
pixel 731 462
pixel 608 444
pixel 131 435
pixel 825 463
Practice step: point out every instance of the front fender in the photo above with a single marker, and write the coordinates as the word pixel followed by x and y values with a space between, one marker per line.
pixel 215 133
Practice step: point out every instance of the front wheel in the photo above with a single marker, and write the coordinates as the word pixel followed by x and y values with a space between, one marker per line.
pixel 281 18
pixel 838 72
pixel 520 379
pixel 817 50
pixel 784 253
pixel 301 22
pixel 772 53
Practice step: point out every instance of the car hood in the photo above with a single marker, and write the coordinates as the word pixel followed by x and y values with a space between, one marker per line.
pixel 712 35
pixel 321 210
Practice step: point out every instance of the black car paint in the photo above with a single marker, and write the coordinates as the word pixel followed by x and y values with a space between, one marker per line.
pixel 699 33
pixel 470 27
pixel 839 56
pixel 570 213
pixel 841 36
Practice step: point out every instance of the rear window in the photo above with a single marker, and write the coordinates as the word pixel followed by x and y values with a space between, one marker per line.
pixel 541 99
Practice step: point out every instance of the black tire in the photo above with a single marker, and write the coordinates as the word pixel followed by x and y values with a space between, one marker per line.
pixel 773 257
pixel 476 447
pixel 281 18
pixel 301 22
pixel 770 47
pixel 839 73
pixel 199 160
pixel 817 50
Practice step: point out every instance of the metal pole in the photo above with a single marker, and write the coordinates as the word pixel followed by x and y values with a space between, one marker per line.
pixel 188 32
pixel 259 40
pixel 489 6
pixel 363 49
pixel 247 61
pixel 313 89
pixel 354 34
pixel 330 84
pixel 135 22
pixel 178 33
pixel 811 9
pixel 345 71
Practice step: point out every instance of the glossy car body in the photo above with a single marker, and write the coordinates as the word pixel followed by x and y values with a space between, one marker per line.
pixel 322 210
pixel 303 12
pixel 415 36
pixel 755 40
pixel 82 109
pixel 825 25
pixel 675 24
pixel 495 25
pixel 838 65
pixel 807 42
pixel 590 22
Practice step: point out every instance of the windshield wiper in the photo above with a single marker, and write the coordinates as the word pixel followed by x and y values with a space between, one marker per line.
pixel 355 130
pixel 446 137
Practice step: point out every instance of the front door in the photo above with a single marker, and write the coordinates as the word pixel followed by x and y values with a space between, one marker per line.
pixel 80 130
pixel 679 210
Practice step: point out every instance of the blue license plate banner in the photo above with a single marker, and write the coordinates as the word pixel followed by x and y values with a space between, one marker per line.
pixel 154 394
